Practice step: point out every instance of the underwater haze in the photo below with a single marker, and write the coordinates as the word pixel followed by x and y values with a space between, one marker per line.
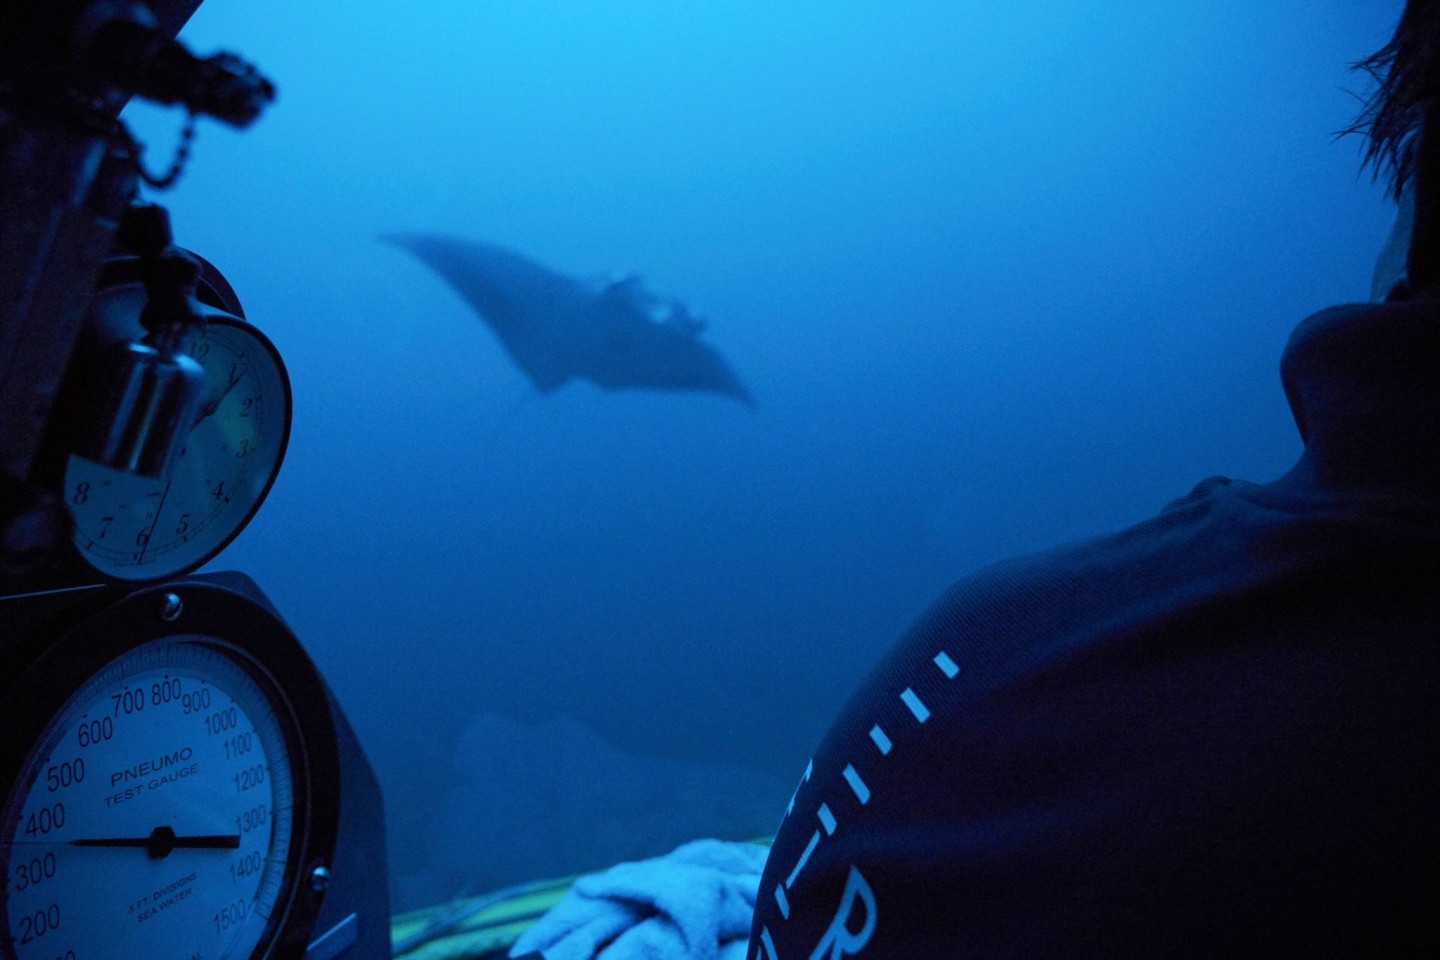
pixel 997 275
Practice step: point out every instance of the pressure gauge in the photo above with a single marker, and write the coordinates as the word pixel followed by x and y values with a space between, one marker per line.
pixel 133 527
pixel 171 785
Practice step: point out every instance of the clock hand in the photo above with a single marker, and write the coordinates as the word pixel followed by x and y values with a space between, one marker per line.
pixel 150 531
pixel 162 840
pixel 210 407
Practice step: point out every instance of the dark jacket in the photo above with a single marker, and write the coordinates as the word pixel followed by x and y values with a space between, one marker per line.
pixel 1214 734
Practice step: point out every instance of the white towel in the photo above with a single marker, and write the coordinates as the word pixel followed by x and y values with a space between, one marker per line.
pixel 694 903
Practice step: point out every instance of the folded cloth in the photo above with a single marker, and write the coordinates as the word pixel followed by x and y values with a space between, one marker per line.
pixel 694 903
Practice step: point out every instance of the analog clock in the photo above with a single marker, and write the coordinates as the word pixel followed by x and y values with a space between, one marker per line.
pixel 133 527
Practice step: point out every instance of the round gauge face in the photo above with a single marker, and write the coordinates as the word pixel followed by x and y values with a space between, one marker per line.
pixel 139 528
pixel 155 816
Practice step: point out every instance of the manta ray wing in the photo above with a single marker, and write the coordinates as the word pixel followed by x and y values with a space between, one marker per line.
pixel 556 328
pixel 531 309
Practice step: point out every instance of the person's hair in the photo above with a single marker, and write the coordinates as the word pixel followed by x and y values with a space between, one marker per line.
pixel 1407 75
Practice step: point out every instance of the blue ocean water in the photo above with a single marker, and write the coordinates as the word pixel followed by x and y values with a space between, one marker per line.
pixel 999 276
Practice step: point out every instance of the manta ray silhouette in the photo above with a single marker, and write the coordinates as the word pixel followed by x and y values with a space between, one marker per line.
pixel 556 328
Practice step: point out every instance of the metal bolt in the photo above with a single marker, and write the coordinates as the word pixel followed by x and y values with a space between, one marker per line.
pixel 171 608
pixel 319 879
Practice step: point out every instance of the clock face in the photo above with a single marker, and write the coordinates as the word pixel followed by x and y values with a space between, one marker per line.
pixel 140 528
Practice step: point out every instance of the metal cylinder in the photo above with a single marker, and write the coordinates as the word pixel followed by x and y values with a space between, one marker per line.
pixel 144 405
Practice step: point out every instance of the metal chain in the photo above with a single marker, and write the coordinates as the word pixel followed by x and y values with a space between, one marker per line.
pixel 177 165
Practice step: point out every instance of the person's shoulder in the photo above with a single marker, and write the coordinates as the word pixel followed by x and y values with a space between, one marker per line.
pixel 1133 560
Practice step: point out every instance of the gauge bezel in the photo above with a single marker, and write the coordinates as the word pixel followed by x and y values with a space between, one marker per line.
pixel 254 638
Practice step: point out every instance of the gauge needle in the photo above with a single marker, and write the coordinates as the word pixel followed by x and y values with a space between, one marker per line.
pixel 162 840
